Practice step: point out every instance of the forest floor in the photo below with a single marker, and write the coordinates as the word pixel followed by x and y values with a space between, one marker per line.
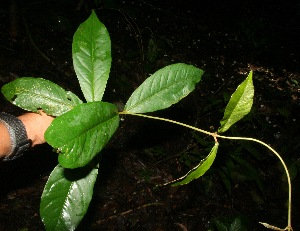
pixel 246 183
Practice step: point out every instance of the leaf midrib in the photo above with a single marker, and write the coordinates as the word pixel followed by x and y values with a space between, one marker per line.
pixel 56 100
pixel 155 93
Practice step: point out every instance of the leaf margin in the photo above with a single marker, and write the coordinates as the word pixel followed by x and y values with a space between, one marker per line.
pixel 230 115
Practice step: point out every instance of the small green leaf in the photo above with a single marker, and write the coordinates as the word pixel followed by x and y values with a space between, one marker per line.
pixel 80 134
pixel 220 225
pixel 200 169
pixel 250 172
pixel 33 94
pixel 239 104
pixel 152 50
pixel 285 111
pixel 236 225
pixel 91 50
pixel 223 172
pixel 66 197
pixel 165 87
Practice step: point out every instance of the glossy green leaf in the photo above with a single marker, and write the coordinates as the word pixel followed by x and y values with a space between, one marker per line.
pixel 165 87
pixel 66 197
pixel 91 50
pixel 33 94
pixel 236 225
pixel 200 169
pixel 80 134
pixel 239 104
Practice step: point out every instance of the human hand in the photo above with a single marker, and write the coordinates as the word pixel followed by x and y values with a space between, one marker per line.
pixel 36 125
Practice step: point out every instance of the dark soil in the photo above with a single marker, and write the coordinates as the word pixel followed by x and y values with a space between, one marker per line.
pixel 227 40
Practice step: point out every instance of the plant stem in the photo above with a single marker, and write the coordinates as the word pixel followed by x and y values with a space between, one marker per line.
pixel 167 120
pixel 289 227
pixel 215 135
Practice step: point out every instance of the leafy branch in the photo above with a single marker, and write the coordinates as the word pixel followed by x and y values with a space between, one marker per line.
pixel 82 129
pixel 201 168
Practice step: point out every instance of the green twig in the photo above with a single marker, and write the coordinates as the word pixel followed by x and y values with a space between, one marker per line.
pixel 289 227
pixel 167 120
pixel 215 136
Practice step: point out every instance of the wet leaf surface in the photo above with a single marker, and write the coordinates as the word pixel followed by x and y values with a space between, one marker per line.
pixel 226 40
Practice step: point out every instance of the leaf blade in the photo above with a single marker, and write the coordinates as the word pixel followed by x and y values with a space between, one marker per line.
pixel 200 169
pixel 66 198
pixel 33 94
pixel 165 87
pixel 80 134
pixel 91 51
pixel 239 104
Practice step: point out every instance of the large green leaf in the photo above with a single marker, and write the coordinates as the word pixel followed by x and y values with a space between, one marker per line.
pixel 200 169
pixel 66 197
pixel 91 50
pixel 239 104
pixel 82 132
pixel 33 94
pixel 165 87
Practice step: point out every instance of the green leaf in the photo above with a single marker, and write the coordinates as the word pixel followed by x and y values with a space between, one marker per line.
pixel 152 50
pixel 165 87
pixel 225 179
pixel 236 225
pixel 250 172
pixel 66 197
pixel 80 134
pixel 220 225
pixel 239 104
pixel 200 169
pixel 91 50
pixel 33 94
